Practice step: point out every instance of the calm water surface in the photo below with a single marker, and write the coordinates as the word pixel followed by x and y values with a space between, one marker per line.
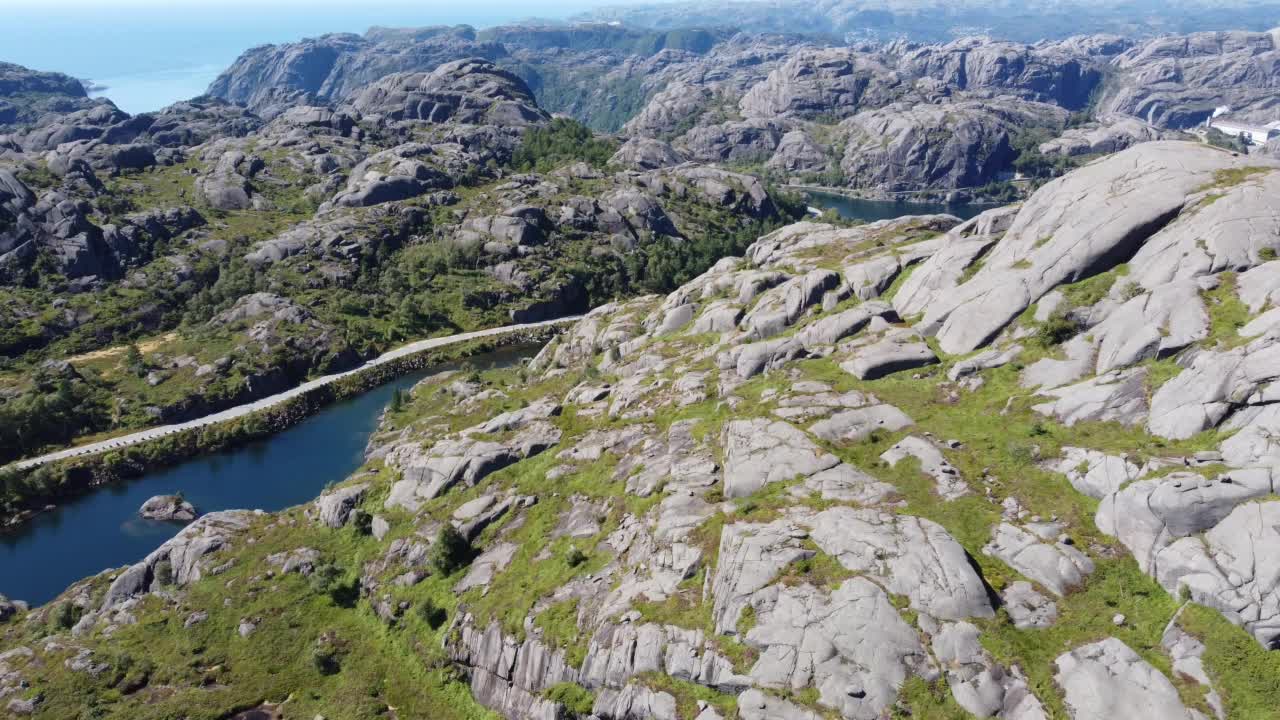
pixel 873 210
pixel 102 529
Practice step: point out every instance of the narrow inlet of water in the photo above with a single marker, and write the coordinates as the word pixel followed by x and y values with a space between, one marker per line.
pixel 872 210
pixel 102 529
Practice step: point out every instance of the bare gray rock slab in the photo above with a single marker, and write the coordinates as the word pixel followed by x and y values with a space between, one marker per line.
pixel 1107 680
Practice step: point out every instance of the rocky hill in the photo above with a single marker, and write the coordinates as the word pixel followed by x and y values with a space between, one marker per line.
pixel 1172 82
pixel 27 95
pixel 1020 467
pixel 962 115
pixel 158 267
pixel 564 65
pixel 958 115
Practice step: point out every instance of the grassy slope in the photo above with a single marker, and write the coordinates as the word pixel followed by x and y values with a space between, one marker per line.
pixel 402 665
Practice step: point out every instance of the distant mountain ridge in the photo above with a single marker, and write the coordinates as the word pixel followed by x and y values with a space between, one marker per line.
pixel 941 20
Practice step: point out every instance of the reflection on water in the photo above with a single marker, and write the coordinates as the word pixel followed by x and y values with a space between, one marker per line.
pixel 873 210
pixel 102 530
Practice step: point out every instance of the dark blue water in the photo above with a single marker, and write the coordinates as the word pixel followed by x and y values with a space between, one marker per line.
pixel 873 210
pixel 102 530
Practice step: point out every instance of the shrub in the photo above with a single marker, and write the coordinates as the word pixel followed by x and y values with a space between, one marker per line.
pixel 163 572
pixel 450 551
pixel 327 655
pixel 575 698
pixel 361 521
pixel 329 579
pixel 325 660
pixel 574 557
pixel 433 615
pixel 1057 329
pixel 133 360
pixel 65 616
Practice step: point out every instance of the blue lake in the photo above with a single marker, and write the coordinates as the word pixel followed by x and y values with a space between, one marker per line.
pixel 873 210
pixel 102 529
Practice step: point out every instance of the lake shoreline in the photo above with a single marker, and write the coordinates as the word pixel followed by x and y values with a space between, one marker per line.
pixel 77 475
pixel 850 206
pixel 961 197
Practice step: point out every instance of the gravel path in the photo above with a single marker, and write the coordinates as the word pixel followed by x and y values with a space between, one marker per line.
pixel 266 402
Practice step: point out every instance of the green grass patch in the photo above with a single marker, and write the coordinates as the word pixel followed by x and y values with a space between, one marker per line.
pixel 1227 313
pixel 1230 177
pixel 559 625
pixel 1246 674
pixel 575 698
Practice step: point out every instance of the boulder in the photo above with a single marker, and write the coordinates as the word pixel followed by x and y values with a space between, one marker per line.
pixel 1229 568
pixel 1106 679
pixel 979 684
pixel 1118 396
pixel 758 452
pixel 466 457
pixel 1148 515
pixel 910 556
pixel 898 350
pixel 634 702
pixel 171 508
pixel 1212 385
pixel 185 554
pixel 1094 473
pixel 334 509
pixel 751 556
pixel 645 154
pixel 947 480
pixel 852 645
pixel 1028 608
pixel 757 705
pixel 1055 565
pixel 855 425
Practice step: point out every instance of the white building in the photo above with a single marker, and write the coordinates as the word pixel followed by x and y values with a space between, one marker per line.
pixel 1251 134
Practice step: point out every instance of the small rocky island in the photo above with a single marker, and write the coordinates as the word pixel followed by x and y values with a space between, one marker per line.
pixel 167 508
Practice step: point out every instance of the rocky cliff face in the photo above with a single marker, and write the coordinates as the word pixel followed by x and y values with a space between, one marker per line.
pixel 596 72
pixel 1019 467
pixel 1177 82
pixel 331 68
pixel 954 145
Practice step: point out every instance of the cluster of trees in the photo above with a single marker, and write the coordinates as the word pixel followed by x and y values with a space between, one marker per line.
pixel 223 282
pixel 1030 162
pixel 50 414
pixel 1217 138
pixel 560 142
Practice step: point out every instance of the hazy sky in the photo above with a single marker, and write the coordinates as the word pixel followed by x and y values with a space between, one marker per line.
pixel 153 52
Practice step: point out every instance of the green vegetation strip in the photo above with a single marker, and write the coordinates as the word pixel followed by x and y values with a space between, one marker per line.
pixel 24 492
